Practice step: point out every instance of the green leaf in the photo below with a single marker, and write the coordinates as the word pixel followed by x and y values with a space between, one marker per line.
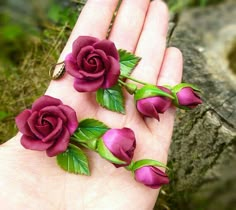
pixel 74 160
pixel 147 162
pixel 106 154
pixel 88 132
pixel 111 98
pixel 128 62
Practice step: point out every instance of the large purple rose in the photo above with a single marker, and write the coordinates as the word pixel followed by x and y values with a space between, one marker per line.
pixel 151 176
pixel 47 126
pixel 94 63
pixel 154 105
pixel 121 143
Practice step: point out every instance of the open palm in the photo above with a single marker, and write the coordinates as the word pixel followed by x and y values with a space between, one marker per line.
pixel 31 180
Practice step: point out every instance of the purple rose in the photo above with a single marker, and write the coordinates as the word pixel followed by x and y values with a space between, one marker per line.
pixel 47 126
pixel 188 97
pixel 94 63
pixel 151 176
pixel 121 143
pixel 152 106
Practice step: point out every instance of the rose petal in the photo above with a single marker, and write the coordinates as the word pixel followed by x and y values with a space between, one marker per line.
pixel 22 124
pixel 44 129
pixel 81 42
pixel 72 122
pixel 84 53
pixel 151 177
pixel 60 145
pixel 32 122
pixel 108 47
pixel 121 143
pixel 188 97
pixel 88 66
pixel 112 74
pixel 88 86
pixel 71 65
pixel 104 59
pixel 98 62
pixel 147 109
pixel 49 120
pixel 34 144
pixel 55 132
pixel 44 101
pixel 90 76
pixel 52 112
pixel 160 103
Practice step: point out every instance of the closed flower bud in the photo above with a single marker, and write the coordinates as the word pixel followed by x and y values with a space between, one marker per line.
pixel 151 176
pixel 186 96
pixel 120 143
pixel 155 103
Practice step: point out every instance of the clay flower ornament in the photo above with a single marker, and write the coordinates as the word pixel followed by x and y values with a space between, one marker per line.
pixel 153 100
pixel 93 63
pixel 186 96
pixel 97 66
pixel 151 176
pixel 47 126
pixel 53 127
pixel 120 143
pixel 147 172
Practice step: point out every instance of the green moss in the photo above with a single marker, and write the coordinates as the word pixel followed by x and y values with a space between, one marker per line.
pixel 26 58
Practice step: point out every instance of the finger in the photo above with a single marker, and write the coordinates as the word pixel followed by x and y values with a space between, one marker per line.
pixel 94 20
pixel 152 43
pixel 125 34
pixel 172 67
pixel 171 74
pixel 128 23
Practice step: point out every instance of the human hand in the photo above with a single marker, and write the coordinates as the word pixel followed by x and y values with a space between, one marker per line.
pixel 37 182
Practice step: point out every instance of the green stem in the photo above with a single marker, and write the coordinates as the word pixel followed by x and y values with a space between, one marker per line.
pixel 130 166
pixel 91 144
pixel 130 87
pixel 122 83
pixel 133 79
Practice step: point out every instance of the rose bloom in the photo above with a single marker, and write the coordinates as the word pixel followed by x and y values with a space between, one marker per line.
pixel 47 126
pixel 188 97
pixel 151 176
pixel 121 143
pixel 152 106
pixel 94 63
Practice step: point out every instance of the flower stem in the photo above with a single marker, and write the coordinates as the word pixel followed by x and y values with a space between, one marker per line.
pixel 133 79
pixel 130 166
pixel 130 87
pixel 121 82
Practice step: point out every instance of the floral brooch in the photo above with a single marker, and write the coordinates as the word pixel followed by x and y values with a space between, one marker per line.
pixel 97 66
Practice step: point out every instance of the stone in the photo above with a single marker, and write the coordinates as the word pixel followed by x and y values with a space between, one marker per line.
pixel 203 152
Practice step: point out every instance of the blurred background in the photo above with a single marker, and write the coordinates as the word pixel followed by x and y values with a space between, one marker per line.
pixel 32 35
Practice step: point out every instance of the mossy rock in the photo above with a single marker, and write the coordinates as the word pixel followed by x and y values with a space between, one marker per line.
pixel 203 152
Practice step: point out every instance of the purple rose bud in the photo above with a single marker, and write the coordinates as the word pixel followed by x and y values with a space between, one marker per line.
pixel 151 176
pixel 121 143
pixel 153 105
pixel 188 97
pixel 47 126
pixel 93 63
